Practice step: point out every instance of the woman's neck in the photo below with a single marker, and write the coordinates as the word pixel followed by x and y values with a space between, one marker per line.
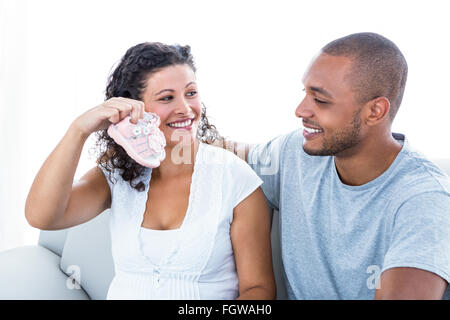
pixel 179 161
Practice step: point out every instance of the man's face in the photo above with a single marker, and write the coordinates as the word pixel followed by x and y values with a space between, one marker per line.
pixel 331 116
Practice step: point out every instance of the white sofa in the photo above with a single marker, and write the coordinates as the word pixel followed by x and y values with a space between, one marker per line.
pixel 76 263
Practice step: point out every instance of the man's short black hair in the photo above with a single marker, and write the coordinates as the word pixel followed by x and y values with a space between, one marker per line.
pixel 379 69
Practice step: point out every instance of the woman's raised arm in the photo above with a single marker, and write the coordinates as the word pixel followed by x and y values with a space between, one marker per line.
pixel 54 202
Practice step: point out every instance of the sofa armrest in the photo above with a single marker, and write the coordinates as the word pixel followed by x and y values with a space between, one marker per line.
pixel 32 272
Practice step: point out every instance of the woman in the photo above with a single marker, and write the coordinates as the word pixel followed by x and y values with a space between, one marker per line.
pixel 197 226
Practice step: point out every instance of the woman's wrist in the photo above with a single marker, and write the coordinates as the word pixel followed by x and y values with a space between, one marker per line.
pixel 77 132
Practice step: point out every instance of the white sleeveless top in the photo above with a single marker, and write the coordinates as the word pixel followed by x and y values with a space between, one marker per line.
pixel 194 262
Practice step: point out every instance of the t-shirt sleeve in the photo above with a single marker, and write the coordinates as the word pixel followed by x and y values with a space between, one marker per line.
pixel 246 179
pixel 264 159
pixel 421 235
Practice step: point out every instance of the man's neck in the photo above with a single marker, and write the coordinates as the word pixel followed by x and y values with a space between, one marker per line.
pixel 371 158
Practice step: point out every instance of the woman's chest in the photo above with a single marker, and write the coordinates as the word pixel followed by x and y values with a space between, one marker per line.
pixel 167 204
pixel 197 209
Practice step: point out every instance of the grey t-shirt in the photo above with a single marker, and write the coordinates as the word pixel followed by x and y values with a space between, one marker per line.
pixel 337 239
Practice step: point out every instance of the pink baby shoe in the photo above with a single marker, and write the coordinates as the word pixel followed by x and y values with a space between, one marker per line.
pixel 143 142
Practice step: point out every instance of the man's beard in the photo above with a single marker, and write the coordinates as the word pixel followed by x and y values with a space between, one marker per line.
pixel 342 140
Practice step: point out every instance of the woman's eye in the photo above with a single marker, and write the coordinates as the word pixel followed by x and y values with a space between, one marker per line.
pixel 168 98
pixel 192 93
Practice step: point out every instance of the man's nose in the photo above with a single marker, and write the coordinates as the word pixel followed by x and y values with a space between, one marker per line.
pixel 303 110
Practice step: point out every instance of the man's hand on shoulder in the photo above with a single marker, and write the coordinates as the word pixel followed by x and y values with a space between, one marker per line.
pixel 241 149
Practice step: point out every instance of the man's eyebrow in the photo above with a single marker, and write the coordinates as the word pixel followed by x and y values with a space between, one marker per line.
pixel 321 91
pixel 171 90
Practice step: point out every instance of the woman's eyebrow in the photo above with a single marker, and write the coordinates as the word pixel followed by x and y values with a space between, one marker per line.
pixel 171 90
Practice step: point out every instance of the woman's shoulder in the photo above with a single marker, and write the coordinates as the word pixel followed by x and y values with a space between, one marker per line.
pixel 212 154
pixel 227 162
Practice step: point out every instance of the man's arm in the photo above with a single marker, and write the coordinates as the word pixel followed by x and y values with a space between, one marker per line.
pixel 410 283
pixel 417 262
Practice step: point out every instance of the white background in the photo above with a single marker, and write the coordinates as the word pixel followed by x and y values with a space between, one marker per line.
pixel 55 57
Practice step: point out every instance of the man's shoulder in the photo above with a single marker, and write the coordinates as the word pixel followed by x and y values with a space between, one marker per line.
pixel 293 154
pixel 418 174
pixel 288 146
pixel 291 141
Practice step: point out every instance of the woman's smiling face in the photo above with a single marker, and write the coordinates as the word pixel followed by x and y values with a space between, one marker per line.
pixel 172 94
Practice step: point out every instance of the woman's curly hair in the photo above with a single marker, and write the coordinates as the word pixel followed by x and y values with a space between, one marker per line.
pixel 129 80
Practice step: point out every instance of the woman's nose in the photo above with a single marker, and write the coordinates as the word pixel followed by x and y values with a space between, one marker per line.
pixel 183 107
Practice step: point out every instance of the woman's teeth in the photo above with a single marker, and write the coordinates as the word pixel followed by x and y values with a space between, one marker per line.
pixel 186 123
pixel 309 130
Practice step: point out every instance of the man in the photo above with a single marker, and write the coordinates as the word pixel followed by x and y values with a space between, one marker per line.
pixel 362 215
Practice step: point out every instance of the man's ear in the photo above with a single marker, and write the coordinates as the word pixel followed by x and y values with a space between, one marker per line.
pixel 376 110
